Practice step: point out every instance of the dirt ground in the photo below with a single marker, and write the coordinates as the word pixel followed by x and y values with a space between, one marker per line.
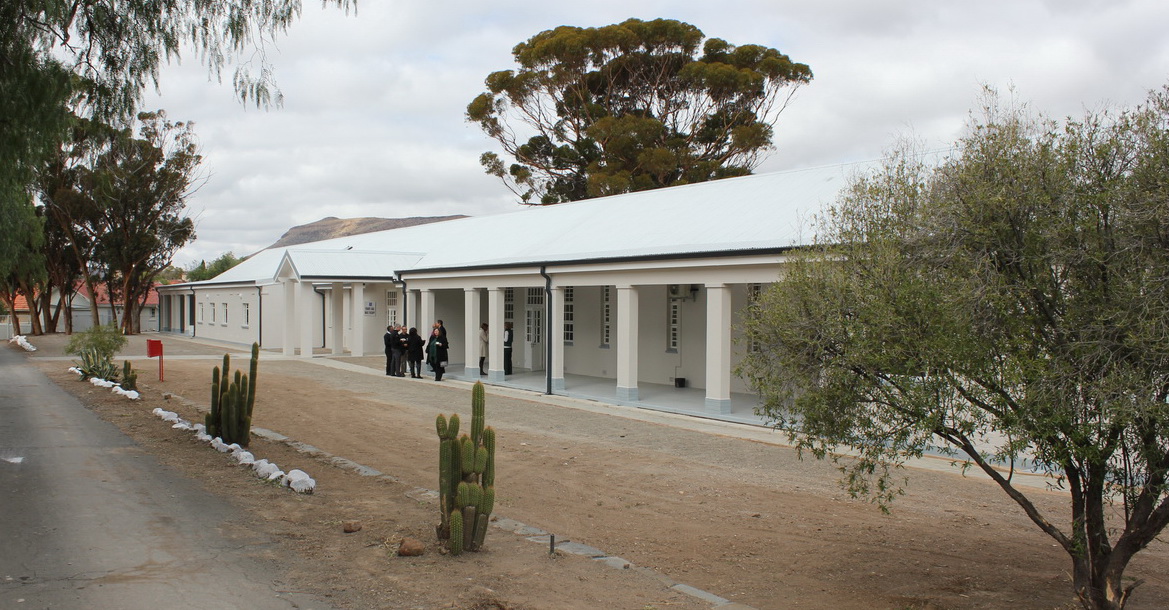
pixel 722 508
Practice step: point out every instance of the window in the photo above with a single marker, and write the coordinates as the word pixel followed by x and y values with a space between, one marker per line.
pixel 754 291
pixel 606 315
pixel 225 314
pixel 213 313
pixel 535 302
pixel 247 315
pixel 201 317
pixel 509 304
pixel 392 307
pixel 673 322
pixel 569 325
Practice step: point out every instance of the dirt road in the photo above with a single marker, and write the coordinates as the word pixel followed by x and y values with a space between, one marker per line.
pixel 722 508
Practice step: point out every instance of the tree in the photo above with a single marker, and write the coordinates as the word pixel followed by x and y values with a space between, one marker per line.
pixel 108 51
pixel 139 187
pixel 1010 306
pixel 204 271
pixel 630 107
pixel 26 275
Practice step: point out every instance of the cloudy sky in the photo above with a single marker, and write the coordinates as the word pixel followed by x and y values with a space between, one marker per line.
pixel 372 122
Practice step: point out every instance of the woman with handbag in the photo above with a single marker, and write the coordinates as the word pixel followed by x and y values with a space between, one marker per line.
pixel 436 353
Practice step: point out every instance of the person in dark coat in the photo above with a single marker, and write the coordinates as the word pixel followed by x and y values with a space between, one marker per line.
pixel 397 352
pixel 391 340
pixel 400 351
pixel 436 354
pixel 508 335
pixel 414 349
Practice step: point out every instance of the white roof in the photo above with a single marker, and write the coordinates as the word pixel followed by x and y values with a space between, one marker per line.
pixel 758 212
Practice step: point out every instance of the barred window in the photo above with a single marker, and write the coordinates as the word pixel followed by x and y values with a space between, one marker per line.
pixel 673 323
pixel 606 315
pixel 569 326
pixel 509 304
pixel 392 307
pixel 535 303
pixel 247 315
pixel 754 291
pixel 225 314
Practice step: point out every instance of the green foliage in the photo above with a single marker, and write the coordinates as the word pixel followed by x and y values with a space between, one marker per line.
pixel 232 402
pixel 466 475
pixel 97 365
pixel 631 106
pixel 105 339
pixel 204 271
pixel 1009 305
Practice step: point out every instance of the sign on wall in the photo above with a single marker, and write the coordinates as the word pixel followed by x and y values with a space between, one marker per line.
pixel 370 308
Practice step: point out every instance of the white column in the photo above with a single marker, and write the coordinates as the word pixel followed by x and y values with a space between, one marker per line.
pixel 471 322
pixel 627 343
pixel 556 336
pixel 426 314
pixel 357 319
pixel 290 335
pixel 412 319
pixel 718 348
pixel 495 326
pixel 337 317
pixel 304 317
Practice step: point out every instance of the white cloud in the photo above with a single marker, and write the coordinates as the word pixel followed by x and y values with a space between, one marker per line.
pixel 373 123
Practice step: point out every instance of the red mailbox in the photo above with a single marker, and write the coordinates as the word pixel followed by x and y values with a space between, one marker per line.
pixel 154 348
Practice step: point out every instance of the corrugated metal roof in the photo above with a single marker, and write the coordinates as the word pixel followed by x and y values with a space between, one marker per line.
pixel 763 211
pixel 311 263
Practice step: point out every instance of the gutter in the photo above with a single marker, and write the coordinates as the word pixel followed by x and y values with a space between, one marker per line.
pixel 405 303
pixel 548 331
pixel 191 312
pixel 260 316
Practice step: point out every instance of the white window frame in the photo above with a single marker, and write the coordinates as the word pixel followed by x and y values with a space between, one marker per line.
pixel 392 307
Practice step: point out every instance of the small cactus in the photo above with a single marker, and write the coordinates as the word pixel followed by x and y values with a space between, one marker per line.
pixel 456 521
pixel 129 377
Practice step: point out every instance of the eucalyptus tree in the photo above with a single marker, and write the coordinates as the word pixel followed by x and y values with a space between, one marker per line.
pixel 1009 306
pixel 138 188
pixel 631 106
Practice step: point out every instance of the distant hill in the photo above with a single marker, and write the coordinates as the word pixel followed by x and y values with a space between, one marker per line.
pixel 328 228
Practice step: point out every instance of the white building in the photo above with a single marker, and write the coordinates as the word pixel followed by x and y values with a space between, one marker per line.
pixel 641 288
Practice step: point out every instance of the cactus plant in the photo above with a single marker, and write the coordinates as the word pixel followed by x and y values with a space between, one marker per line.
pixel 456 520
pixel 466 477
pixel 233 399
pixel 129 377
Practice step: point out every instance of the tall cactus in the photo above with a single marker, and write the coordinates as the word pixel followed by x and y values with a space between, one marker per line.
pixel 466 477
pixel 232 401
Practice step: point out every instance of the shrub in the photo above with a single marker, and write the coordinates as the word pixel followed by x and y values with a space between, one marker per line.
pixel 106 340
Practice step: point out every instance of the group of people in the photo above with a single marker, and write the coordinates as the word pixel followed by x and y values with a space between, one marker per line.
pixel 405 348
